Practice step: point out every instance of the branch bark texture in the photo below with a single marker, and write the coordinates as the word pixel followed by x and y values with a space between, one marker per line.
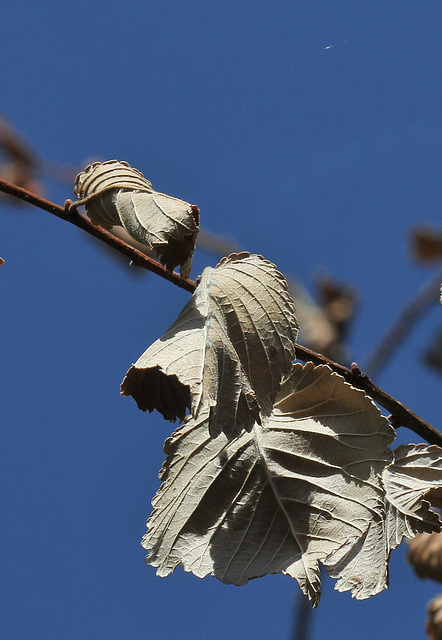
pixel 400 415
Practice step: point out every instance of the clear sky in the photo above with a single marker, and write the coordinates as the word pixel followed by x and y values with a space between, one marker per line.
pixel 310 132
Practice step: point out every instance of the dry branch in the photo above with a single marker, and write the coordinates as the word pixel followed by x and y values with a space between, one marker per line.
pixel 400 415
pixel 425 298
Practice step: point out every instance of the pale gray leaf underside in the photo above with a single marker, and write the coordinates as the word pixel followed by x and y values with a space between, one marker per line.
pixel 415 473
pixel 227 351
pixel 280 498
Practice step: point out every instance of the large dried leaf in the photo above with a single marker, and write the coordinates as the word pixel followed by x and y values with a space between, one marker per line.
pixel 116 194
pixel 280 498
pixel 229 349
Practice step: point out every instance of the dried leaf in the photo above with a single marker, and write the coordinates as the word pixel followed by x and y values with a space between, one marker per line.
pixel 15 147
pixel 226 352
pixel 415 472
pixel 426 244
pixel 2 261
pixel 339 303
pixel 290 493
pixel 19 163
pixel 323 326
pixel 433 354
pixel 425 554
pixel 434 621
pixel 316 331
pixel 116 194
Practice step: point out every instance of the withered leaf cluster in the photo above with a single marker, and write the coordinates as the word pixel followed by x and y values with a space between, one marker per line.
pixel 425 554
pixel 278 467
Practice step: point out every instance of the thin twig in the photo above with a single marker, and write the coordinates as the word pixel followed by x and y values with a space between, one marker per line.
pixel 303 617
pixel 401 416
pixel 137 257
pixel 424 299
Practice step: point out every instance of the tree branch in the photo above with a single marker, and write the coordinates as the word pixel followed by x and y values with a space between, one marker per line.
pixel 400 415
pixel 424 299
pixel 137 257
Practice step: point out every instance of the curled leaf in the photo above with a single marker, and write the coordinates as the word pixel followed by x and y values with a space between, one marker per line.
pixel 434 620
pixel 426 244
pixel 114 193
pixel 339 303
pixel 279 498
pixel 227 351
pixel 425 554
pixel 415 472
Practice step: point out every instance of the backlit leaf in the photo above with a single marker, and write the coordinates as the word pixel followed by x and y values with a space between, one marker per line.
pixel 289 493
pixel 415 473
pixel 227 351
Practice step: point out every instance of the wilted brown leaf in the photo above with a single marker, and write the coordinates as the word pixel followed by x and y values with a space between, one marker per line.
pixel 433 354
pixel 339 303
pixel 19 163
pixel 426 244
pixel 316 331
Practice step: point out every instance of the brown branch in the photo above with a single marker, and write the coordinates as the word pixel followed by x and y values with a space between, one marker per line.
pixel 424 299
pixel 137 257
pixel 400 415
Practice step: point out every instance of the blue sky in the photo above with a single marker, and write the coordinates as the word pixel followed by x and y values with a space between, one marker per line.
pixel 309 132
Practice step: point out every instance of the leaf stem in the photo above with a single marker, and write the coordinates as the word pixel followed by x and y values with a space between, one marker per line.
pixel 400 415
